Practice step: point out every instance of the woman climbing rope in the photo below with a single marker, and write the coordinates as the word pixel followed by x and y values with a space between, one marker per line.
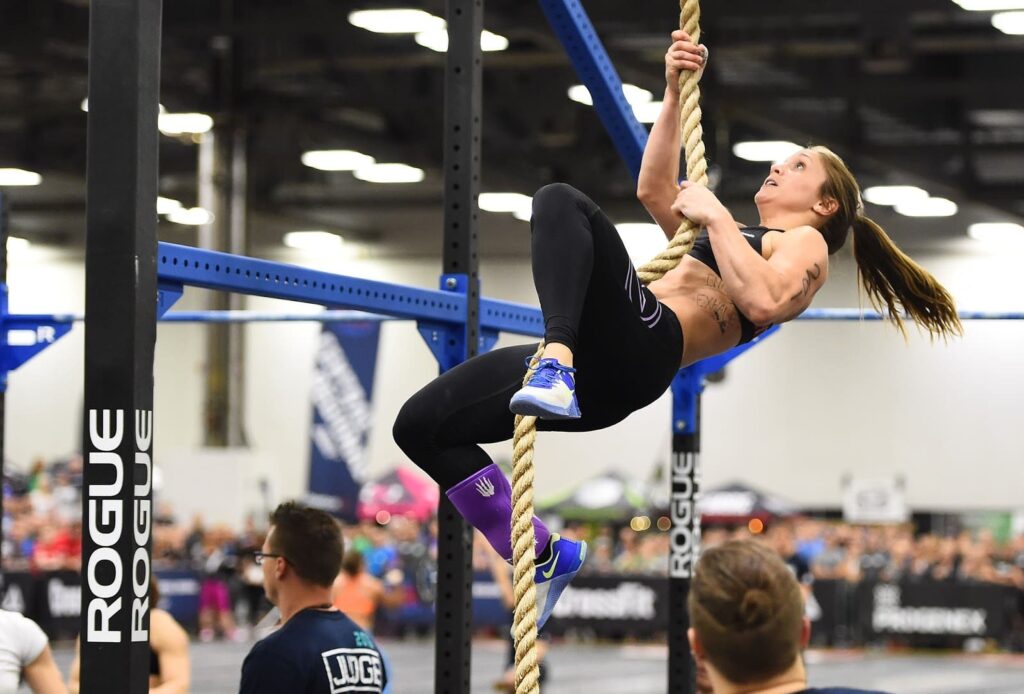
pixel 612 345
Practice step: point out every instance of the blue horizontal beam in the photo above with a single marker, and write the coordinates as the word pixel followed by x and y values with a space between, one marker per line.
pixel 269 317
pixel 853 314
pixel 196 267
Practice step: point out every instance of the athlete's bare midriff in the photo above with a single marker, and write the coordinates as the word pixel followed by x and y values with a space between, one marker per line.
pixel 708 316
pixel 697 296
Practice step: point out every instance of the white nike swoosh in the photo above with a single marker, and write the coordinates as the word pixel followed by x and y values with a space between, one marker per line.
pixel 550 572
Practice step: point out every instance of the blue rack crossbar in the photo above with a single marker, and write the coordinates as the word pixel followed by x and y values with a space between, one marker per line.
pixel 852 314
pixel 269 317
pixel 196 267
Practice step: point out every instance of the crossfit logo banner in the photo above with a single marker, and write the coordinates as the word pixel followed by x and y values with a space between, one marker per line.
pixel 354 670
pixel 342 391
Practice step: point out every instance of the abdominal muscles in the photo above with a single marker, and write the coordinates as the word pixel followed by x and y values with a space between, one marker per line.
pixel 708 316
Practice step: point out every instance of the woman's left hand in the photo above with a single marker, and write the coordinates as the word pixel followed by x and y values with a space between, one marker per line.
pixel 698 204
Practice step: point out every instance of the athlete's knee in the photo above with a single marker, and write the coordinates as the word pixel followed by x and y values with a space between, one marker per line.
pixel 558 198
pixel 414 429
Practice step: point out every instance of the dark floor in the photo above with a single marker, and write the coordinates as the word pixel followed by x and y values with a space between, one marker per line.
pixel 599 669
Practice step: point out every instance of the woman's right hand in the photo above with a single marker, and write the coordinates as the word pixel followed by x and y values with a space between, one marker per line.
pixel 683 54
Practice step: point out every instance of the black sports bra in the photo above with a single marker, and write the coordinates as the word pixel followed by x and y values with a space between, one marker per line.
pixel 702 251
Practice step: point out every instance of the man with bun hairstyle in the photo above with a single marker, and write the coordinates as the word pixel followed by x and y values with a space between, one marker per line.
pixel 747 623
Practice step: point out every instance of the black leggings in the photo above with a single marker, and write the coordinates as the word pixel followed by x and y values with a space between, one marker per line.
pixel 626 345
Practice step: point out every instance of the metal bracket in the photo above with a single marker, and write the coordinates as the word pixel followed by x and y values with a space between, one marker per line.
pixel 24 336
pixel 167 294
pixel 447 341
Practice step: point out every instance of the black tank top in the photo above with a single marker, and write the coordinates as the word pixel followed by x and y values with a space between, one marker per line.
pixel 702 251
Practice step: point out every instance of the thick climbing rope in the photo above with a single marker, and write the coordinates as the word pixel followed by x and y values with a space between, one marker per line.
pixel 524 627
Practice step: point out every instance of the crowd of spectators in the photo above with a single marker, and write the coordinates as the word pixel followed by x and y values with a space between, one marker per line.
pixel 42 531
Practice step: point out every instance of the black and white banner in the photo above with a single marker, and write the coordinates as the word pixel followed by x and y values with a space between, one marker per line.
pixel 342 392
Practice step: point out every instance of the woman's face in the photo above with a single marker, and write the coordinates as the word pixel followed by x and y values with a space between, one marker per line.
pixel 793 185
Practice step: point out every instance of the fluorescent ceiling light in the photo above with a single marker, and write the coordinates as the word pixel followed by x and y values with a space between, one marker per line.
pixel 85 106
pixel 765 150
pixel 1006 233
pixel 1009 22
pixel 642 240
pixel 524 215
pixel 17 245
pixel 894 195
pixel 491 42
pixel 19 177
pixel 506 202
pixel 997 118
pixel 167 205
pixel 928 207
pixel 990 5
pixel 396 21
pixel 647 113
pixel 437 40
pixel 581 95
pixel 195 216
pixel 634 95
pixel 313 240
pixel 182 123
pixel 337 160
pixel 389 173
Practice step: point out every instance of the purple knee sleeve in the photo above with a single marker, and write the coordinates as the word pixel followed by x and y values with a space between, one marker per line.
pixel 485 500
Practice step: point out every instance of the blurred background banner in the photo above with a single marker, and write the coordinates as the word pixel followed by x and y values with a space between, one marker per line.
pixel 342 396
pixel 400 492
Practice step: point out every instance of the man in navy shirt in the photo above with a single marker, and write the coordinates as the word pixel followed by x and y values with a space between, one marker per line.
pixel 317 649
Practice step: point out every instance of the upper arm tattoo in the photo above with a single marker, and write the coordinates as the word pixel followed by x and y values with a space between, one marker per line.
pixel 812 274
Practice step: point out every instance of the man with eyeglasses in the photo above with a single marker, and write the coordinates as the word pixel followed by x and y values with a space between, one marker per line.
pixel 317 649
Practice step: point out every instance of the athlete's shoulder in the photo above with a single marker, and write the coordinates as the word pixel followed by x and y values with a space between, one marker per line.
pixel 802 231
pixel 802 237
pixel 839 690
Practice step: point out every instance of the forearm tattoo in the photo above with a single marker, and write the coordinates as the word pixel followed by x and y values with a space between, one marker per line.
pixel 812 274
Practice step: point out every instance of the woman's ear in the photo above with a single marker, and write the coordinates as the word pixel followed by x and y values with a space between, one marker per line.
pixel 826 206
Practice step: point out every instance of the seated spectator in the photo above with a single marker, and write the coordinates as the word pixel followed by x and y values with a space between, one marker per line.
pixel 57 548
pixel 947 567
pixel 749 628
pixel 829 562
pixel 875 557
pixel 356 592
pixel 600 560
pixel 25 654
pixel 901 560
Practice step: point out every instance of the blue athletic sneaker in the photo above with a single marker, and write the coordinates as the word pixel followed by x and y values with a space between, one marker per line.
pixel 549 394
pixel 556 573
